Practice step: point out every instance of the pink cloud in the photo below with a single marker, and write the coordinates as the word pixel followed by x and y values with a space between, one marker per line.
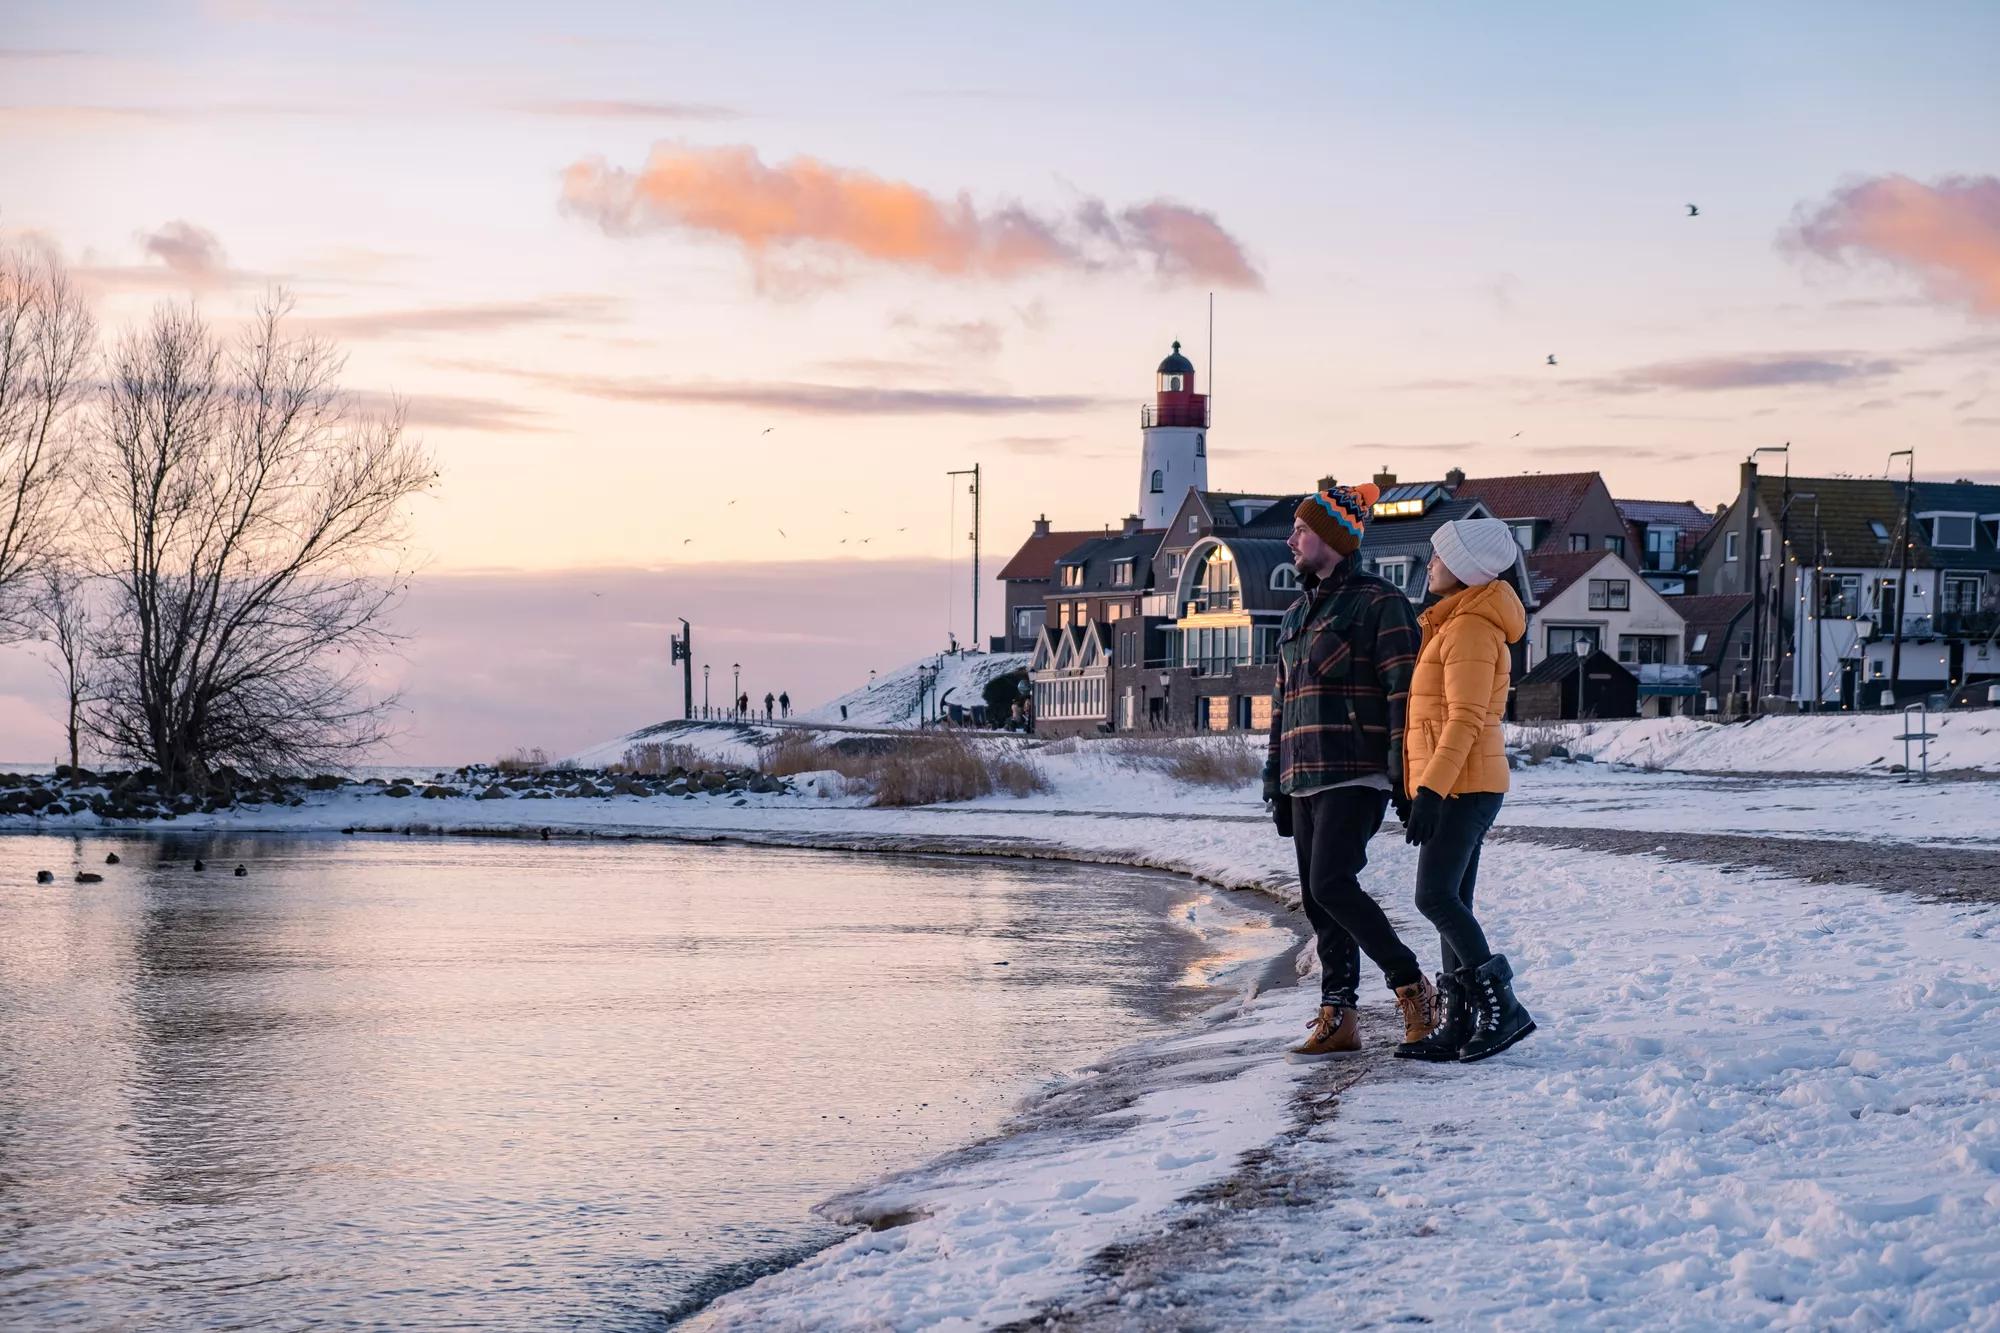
pixel 805 206
pixel 195 253
pixel 1948 234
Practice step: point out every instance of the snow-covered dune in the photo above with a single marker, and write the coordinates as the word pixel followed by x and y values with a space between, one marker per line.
pixel 1827 743
pixel 899 698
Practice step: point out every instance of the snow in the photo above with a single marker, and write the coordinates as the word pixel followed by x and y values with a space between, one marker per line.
pixel 1752 1101
pixel 898 698
pixel 1782 743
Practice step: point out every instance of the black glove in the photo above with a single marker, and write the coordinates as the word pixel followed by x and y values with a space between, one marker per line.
pixel 1281 814
pixel 1425 814
pixel 1402 804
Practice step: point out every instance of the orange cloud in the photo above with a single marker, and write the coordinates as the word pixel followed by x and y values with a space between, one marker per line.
pixel 805 205
pixel 1948 233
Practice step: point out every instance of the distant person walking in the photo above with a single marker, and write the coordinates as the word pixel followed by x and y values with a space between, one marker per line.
pixel 785 704
pixel 1345 652
pixel 1456 776
pixel 770 702
pixel 843 712
pixel 742 707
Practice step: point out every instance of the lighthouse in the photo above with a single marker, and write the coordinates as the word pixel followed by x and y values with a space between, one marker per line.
pixel 1175 428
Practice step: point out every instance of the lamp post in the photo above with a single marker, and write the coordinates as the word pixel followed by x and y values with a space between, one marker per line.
pixel 1753 563
pixel 1902 572
pixel 736 689
pixel 704 689
pixel 1583 648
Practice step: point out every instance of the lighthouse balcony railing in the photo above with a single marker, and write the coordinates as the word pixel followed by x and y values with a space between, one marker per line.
pixel 1174 414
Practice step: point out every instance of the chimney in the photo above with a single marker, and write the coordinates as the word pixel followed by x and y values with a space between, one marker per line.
pixel 1385 478
pixel 1747 477
pixel 1042 526
pixel 1455 478
pixel 1326 483
pixel 1132 525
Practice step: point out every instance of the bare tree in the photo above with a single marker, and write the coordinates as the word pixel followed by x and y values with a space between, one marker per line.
pixel 249 515
pixel 65 624
pixel 47 341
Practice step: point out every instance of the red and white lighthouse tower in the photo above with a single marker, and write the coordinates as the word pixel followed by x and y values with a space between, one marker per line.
pixel 1175 428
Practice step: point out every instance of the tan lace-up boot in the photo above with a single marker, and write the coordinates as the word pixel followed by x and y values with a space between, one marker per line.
pixel 1334 1032
pixel 1418 1003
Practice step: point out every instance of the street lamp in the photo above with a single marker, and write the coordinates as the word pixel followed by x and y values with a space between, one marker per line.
pixel 1583 648
pixel 704 689
pixel 736 680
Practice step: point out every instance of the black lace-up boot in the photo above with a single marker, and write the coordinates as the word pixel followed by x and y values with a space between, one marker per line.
pixel 1454 1024
pixel 1497 1017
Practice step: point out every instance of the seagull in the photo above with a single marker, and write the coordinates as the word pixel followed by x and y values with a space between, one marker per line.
pixel 1693 212
pixel 1515 436
pixel 1552 358
pixel 686 540
pixel 781 533
pixel 768 429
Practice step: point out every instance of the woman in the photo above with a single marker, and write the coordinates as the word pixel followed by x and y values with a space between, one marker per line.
pixel 1455 772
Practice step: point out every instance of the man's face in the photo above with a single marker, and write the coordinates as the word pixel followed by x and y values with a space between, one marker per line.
pixel 1309 550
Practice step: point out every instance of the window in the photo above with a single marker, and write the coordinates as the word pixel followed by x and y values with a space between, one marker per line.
pixel 1170 384
pixel 1201 444
pixel 1763 543
pixel 1662 546
pixel 1881 533
pixel 1159 486
pixel 1194 522
pixel 1961 594
pixel 1643 649
pixel 1700 641
pixel 1216 712
pixel 1215 585
pixel 1952 530
pixel 1563 639
pixel 1615 545
pixel 1082 614
pixel 1284 579
pixel 1579 541
pixel 1072 576
pixel 1743 647
pixel 1840 597
pixel 1121 573
pixel 1260 712
pixel 1611 594
pixel 1062 615
pixel 1883 601
pixel 1524 535
pixel 1174 559
pixel 1395 571
pixel 1729 544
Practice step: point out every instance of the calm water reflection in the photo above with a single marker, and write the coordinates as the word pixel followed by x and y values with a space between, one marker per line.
pixel 413 1083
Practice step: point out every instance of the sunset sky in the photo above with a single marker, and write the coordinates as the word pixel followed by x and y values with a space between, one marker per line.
pixel 659 282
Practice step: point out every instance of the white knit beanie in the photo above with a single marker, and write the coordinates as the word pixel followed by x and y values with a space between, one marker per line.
pixel 1476 550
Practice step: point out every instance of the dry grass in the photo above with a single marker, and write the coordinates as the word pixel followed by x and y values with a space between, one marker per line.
pixel 655 757
pixel 1542 742
pixel 523 761
pixel 1206 761
pixel 917 770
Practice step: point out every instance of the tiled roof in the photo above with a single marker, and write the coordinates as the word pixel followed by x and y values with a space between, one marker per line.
pixel 1277 520
pixel 1385 536
pixel 1961 497
pixel 1550 495
pixel 1713 614
pixel 1038 555
pixel 1847 508
pixel 1223 516
pixel 1683 514
pixel 1097 558
pixel 1551 574
pixel 1561 666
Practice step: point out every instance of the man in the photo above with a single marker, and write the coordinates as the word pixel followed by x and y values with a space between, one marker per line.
pixel 770 702
pixel 785 704
pixel 1346 650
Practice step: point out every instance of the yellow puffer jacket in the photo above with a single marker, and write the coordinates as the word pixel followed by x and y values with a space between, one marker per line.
pixel 1458 695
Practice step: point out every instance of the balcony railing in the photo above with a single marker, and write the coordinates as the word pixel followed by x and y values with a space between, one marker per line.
pixel 1668 673
pixel 1175 414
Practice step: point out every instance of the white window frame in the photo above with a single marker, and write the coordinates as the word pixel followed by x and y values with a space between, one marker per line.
pixel 1122 573
pixel 1700 641
pixel 1159 486
pixel 1972 528
pixel 1194 522
pixel 1731 546
pixel 1401 567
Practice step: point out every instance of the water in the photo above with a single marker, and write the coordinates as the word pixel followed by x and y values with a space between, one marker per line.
pixel 449 1083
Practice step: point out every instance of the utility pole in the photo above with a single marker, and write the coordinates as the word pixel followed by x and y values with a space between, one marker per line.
pixel 683 652
pixel 973 472
pixel 1902 573
pixel 1789 645
pixel 1753 562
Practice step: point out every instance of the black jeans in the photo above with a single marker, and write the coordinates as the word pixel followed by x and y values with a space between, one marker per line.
pixel 1447 869
pixel 1330 832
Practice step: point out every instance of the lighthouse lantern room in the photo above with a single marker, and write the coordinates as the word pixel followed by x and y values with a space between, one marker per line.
pixel 1175 429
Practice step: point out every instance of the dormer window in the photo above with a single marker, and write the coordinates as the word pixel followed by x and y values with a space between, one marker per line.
pixel 1284 578
pixel 1954 531
pixel 1072 576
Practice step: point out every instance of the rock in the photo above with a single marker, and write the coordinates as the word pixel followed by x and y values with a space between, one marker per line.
pixel 1586 759
pixel 88 877
pixel 111 858
pixel 627 787
pixel 45 877
pixel 437 793
pixel 348 831
pixel 396 789
pixel 495 793
pixel 1559 751
pixel 739 801
pixel 536 796
pixel 325 782
pixel 240 872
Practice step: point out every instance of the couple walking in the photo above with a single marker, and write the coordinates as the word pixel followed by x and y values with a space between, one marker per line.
pixel 1376 706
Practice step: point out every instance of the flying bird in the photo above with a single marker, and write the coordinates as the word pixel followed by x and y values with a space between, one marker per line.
pixel 768 429
pixel 1693 212
pixel 1552 358
pixel 781 533
pixel 686 540
pixel 1515 436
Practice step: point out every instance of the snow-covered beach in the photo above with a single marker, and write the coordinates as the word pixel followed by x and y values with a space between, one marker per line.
pixel 1761 1095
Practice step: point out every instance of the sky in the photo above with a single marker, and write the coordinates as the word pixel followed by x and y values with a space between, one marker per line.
pixel 692 299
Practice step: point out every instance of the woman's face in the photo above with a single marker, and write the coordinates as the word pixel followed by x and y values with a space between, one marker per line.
pixel 1441 580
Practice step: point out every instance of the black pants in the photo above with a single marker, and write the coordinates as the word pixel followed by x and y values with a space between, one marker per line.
pixel 1330 832
pixel 1447 869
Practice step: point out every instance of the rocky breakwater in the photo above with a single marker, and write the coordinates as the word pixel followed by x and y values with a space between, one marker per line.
pixel 71 795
